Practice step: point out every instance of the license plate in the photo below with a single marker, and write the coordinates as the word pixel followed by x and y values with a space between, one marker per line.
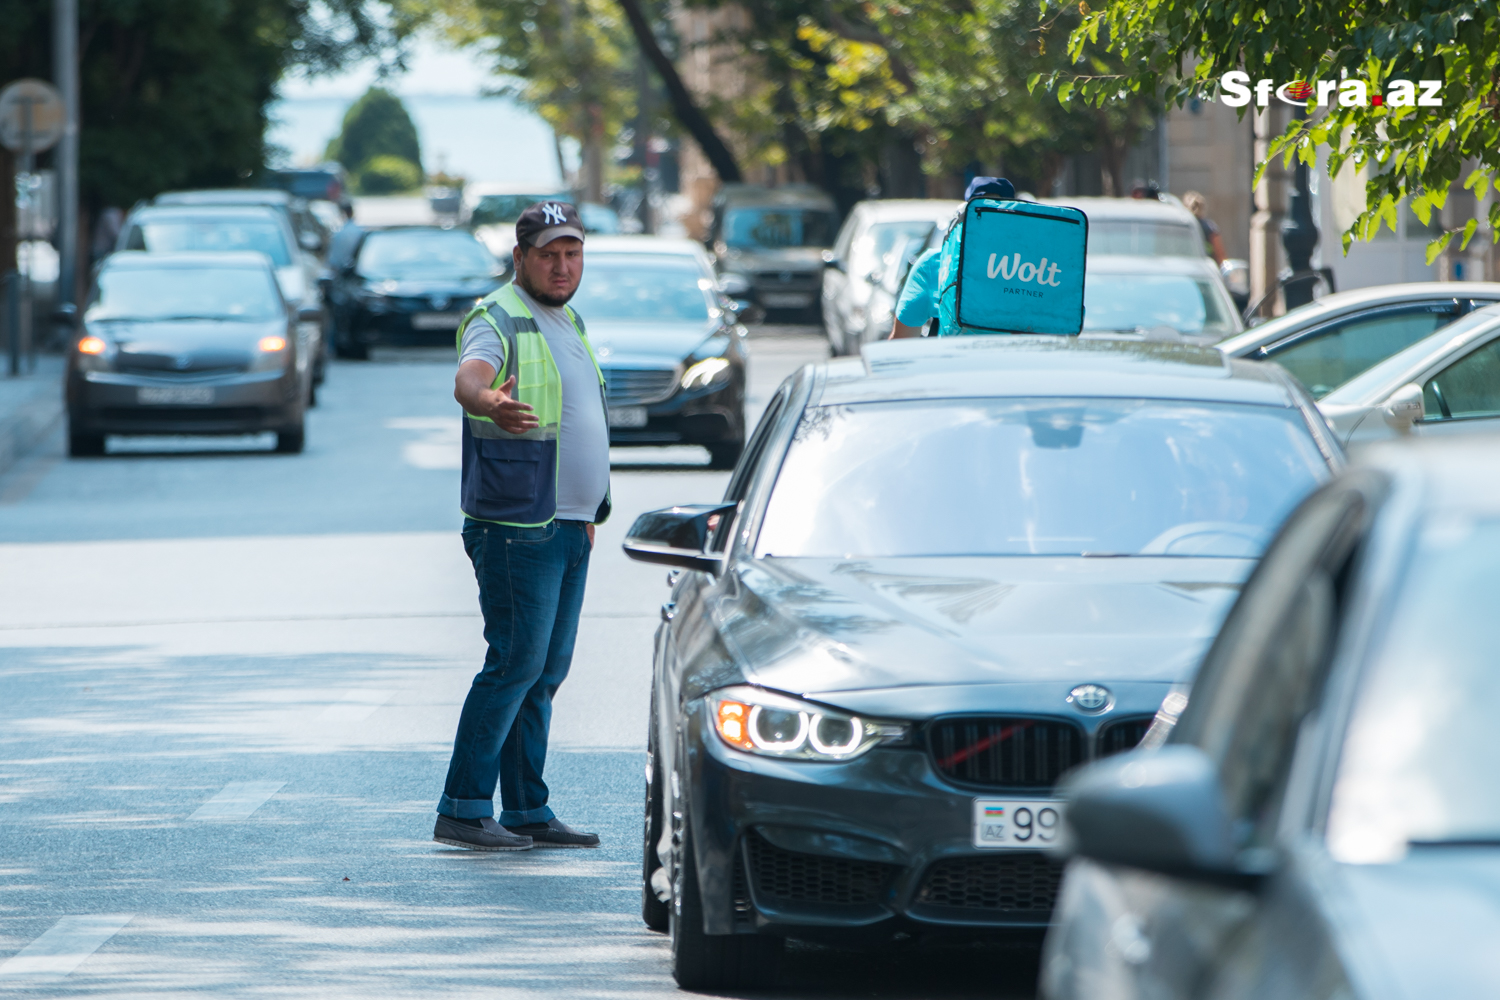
pixel 1017 824
pixel 177 395
pixel 785 300
pixel 627 416
pixel 436 321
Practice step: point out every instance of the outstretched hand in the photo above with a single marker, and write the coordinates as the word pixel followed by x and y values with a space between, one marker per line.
pixel 508 413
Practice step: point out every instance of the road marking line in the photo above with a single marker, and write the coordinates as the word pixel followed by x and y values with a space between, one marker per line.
pixel 237 800
pixel 355 706
pixel 63 947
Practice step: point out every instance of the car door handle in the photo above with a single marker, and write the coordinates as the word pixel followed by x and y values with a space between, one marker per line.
pixel 668 611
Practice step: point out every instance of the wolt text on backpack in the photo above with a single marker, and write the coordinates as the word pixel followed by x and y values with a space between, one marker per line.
pixel 1013 267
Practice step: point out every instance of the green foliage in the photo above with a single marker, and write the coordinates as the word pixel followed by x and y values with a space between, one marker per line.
pixel 1183 47
pixel 377 126
pixel 174 92
pixel 387 174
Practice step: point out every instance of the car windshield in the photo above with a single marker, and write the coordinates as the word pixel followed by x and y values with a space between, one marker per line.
pixel 1420 754
pixel 424 254
pixel 240 293
pixel 212 235
pixel 778 227
pixel 1017 477
pixel 1144 239
pixel 643 287
pixel 497 208
pixel 1137 303
pixel 883 243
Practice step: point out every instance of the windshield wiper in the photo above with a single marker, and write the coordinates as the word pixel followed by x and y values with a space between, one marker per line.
pixel 1457 842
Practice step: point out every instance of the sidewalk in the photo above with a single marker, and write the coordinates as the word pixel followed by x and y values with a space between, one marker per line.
pixel 31 405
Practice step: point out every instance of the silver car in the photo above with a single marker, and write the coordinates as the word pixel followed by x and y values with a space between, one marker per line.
pixel 1330 341
pixel 1324 819
pixel 1447 382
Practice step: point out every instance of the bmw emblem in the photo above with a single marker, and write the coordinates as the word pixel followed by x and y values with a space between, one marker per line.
pixel 439 302
pixel 1091 698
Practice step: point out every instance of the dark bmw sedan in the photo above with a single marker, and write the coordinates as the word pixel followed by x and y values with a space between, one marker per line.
pixel 188 344
pixel 409 285
pixel 942 576
pixel 671 349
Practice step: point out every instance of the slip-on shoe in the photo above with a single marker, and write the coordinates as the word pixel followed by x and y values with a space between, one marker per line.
pixel 488 836
pixel 556 833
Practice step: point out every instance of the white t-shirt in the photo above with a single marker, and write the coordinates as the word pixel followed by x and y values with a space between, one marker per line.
pixel 583 439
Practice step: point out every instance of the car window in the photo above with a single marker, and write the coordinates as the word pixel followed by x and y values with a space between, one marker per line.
pixel 498 208
pixel 846 236
pixel 748 228
pixel 739 483
pixel 1264 671
pixel 1466 389
pixel 647 288
pixel 1101 477
pixel 140 293
pixel 1137 303
pixel 880 244
pixel 1328 358
pixel 211 235
pixel 1144 239
pixel 1419 757
pixel 415 254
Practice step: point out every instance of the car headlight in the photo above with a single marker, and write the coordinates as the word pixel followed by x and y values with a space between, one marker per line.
pixel 712 371
pixel 777 725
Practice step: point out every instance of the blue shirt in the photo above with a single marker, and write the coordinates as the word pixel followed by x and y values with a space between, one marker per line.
pixel 919 299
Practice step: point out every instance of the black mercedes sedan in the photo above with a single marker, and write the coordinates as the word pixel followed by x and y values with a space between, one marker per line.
pixel 408 285
pixel 942 575
pixel 189 343
pixel 670 346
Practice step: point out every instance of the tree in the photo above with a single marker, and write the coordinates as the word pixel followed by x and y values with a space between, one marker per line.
pixel 1182 49
pixel 377 127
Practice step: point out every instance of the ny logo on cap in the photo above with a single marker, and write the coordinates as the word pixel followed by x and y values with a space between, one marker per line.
pixel 553 213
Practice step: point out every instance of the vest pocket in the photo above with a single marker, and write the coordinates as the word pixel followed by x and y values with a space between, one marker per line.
pixel 508 472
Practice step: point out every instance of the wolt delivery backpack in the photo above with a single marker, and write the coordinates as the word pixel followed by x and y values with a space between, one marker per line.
pixel 1013 267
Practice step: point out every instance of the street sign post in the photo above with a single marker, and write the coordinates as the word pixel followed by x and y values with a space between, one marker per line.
pixel 33 118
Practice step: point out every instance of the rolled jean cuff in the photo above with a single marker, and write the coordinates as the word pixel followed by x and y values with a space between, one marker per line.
pixel 466 808
pixel 520 817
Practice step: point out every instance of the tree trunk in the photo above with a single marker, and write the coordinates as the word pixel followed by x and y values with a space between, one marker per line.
pixel 593 158
pixel 683 106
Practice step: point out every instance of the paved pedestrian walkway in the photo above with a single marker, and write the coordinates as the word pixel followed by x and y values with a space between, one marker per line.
pixel 31 407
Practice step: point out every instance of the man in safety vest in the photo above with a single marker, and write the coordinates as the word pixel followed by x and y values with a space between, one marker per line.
pixel 535 482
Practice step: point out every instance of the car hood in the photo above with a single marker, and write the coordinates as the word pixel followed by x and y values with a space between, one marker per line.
pixel 830 625
pixel 187 345
pixel 452 288
pixel 786 258
pixel 625 342
pixel 1420 921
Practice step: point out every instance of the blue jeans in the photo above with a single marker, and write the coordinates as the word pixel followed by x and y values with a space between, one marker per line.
pixel 530 591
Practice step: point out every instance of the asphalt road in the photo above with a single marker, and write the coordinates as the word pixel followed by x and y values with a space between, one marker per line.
pixel 229 681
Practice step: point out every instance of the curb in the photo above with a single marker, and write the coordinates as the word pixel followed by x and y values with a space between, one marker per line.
pixel 28 424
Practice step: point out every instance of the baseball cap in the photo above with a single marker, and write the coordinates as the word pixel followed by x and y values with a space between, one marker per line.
pixel 990 187
pixel 546 221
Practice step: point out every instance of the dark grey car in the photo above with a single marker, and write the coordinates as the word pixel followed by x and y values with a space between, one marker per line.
pixel 188 344
pixel 769 245
pixel 1323 821
pixel 942 575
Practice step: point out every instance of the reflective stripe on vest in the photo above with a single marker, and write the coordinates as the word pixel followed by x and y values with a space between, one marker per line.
pixel 512 478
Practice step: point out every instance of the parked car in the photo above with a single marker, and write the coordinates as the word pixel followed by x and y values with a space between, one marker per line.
pixel 772 240
pixel 868 244
pixel 1448 382
pixel 672 351
pixel 188 343
pixel 1138 227
pixel 1168 298
pixel 325 182
pixel 312 233
pixel 1331 340
pixel 408 285
pixel 212 228
pixel 940 577
pixel 1323 820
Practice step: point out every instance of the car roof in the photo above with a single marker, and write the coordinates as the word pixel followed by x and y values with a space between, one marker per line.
pixel 1459 473
pixel 208 212
pixel 1029 365
pixel 226 196
pixel 1108 263
pixel 148 260
pixel 675 246
pixel 749 195
pixel 1126 209
pixel 1341 303
pixel 902 209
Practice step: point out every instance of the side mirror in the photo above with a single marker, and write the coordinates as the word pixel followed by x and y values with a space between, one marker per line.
pixel 1236 275
pixel 1159 810
pixel 65 315
pixel 678 536
pixel 831 260
pixel 308 240
pixel 735 286
pixel 308 313
pixel 1403 408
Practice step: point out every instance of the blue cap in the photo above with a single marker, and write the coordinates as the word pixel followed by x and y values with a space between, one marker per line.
pixel 990 187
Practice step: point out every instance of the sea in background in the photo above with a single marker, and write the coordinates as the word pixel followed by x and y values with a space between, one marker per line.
pixel 477 138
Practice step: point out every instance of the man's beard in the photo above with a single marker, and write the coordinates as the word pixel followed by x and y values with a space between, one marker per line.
pixel 546 299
